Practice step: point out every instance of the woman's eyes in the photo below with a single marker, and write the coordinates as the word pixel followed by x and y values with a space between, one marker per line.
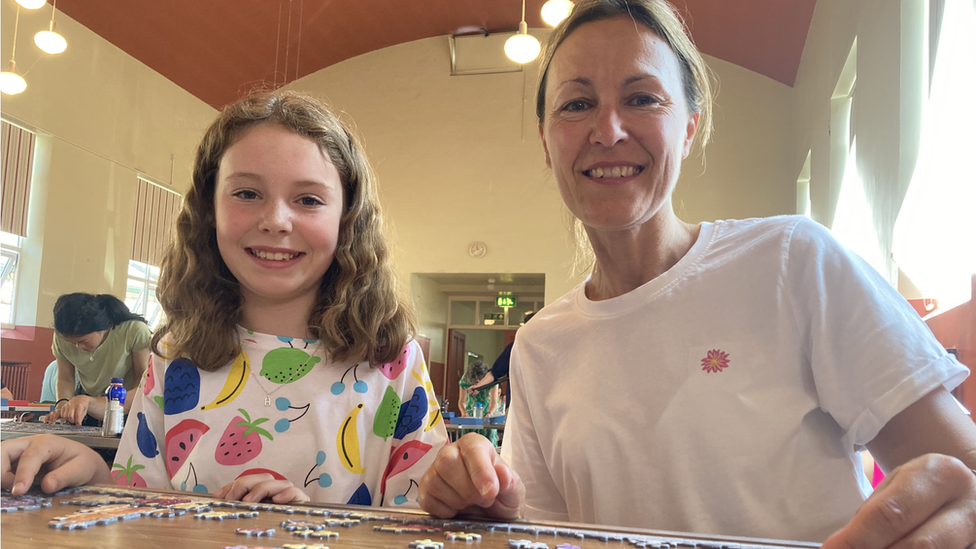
pixel 637 100
pixel 643 100
pixel 576 105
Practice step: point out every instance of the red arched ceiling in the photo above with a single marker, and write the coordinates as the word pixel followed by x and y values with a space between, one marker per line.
pixel 219 49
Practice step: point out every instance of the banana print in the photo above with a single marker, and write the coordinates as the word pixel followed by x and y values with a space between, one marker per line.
pixel 240 372
pixel 432 405
pixel 347 440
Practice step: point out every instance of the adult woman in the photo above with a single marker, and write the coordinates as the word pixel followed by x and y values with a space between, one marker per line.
pixel 467 402
pixel 739 391
pixel 96 338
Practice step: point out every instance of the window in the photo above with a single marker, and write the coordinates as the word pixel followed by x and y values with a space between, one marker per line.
pixel 140 292
pixel 934 231
pixel 11 248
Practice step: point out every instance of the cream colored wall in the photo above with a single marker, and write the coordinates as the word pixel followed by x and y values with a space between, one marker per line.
pixel 104 118
pixel 746 170
pixel 458 161
pixel 431 309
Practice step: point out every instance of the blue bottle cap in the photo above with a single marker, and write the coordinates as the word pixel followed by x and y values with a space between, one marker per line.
pixel 116 380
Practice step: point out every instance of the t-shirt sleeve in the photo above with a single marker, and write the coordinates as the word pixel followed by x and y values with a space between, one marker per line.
pixel 522 451
pixel 139 336
pixel 870 353
pixel 418 436
pixel 500 367
pixel 140 460
pixel 56 347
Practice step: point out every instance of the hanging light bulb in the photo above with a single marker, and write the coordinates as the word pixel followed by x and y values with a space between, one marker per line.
pixel 522 47
pixel 49 40
pixel 31 4
pixel 554 11
pixel 12 83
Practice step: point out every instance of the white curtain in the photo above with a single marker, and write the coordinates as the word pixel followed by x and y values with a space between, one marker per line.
pixel 935 234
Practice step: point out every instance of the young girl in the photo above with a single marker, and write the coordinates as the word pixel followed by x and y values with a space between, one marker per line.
pixel 96 338
pixel 285 368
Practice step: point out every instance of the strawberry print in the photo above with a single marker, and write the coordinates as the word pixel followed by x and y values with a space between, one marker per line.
pixel 127 475
pixel 716 361
pixel 241 441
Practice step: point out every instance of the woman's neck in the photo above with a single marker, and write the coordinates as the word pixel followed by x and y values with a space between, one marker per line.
pixel 628 259
pixel 289 318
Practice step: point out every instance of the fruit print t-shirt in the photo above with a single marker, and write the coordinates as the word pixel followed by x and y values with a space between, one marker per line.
pixel 342 432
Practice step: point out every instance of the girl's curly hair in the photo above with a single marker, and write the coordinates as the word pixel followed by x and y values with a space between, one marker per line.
pixel 359 314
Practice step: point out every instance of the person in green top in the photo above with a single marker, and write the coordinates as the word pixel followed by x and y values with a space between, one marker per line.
pixel 467 403
pixel 96 338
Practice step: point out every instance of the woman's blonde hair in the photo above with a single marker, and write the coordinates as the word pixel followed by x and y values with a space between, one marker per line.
pixel 358 315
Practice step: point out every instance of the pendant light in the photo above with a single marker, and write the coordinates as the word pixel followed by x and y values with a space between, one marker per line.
pixel 522 47
pixel 12 83
pixel 31 4
pixel 49 40
pixel 554 11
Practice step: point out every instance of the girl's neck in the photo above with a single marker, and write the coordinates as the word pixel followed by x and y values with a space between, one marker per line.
pixel 288 318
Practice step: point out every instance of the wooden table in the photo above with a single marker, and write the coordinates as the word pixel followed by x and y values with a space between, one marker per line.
pixel 30 529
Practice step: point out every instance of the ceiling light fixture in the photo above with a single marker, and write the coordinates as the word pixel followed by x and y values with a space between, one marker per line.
pixel 554 11
pixel 49 40
pixel 522 47
pixel 12 83
pixel 31 4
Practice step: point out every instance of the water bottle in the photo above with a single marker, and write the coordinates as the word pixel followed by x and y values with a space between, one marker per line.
pixel 113 419
pixel 479 410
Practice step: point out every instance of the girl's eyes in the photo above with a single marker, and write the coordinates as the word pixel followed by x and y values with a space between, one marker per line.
pixel 246 194
pixel 310 201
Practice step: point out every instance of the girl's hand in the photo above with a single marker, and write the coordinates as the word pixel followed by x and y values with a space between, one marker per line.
pixel 60 461
pixel 74 410
pixel 255 488
pixel 930 501
pixel 468 477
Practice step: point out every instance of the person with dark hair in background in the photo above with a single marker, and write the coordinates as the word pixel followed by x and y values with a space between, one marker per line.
pixel 499 369
pixel 469 401
pixel 96 338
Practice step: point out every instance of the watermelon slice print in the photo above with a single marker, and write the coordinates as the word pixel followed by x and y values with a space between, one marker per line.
pixel 180 441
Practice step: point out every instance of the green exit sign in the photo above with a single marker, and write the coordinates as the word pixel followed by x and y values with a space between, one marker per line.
pixel 506 301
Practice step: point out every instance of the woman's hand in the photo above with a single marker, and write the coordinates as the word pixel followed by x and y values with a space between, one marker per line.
pixel 60 461
pixel 73 410
pixel 254 488
pixel 468 477
pixel 930 501
pixel 476 388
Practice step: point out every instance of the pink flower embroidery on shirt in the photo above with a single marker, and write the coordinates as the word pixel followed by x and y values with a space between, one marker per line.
pixel 716 361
